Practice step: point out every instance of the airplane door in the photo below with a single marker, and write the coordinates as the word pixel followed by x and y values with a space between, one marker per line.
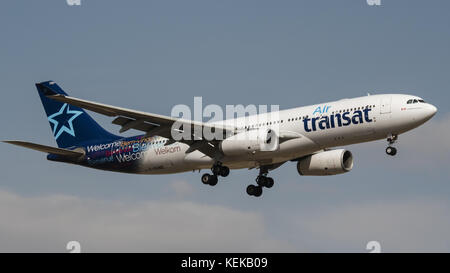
pixel 385 105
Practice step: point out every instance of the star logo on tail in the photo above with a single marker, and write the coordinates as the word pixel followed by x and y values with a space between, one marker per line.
pixel 63 117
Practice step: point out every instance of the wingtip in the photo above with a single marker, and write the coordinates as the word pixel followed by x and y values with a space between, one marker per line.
pixel 14 142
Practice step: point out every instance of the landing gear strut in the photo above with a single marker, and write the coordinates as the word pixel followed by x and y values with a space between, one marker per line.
pixel 391 150
pixel 262 180
pixel 217 170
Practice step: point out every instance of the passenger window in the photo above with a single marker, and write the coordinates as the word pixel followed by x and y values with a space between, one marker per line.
pixel 416 101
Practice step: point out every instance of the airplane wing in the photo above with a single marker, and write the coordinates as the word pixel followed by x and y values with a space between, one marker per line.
pixel 46 149
pixel 151 124
pixel 154 124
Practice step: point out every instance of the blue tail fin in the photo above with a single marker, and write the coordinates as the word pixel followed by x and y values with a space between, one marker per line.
pixel 71 125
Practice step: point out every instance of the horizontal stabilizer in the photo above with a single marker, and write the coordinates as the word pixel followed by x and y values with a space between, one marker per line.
pixel 46 149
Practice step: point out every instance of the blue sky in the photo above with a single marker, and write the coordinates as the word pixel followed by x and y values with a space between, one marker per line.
pixel 152 55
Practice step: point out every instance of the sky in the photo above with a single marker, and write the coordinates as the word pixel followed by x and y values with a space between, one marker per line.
pixel 153 55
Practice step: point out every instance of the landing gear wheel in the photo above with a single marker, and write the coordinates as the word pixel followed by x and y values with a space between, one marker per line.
pixel 219 169
pixel 205 178
pixel 264 181
pixel 254 190
pixel 261 180
pixel 208 179
pixel 251 189
pixel 391 151
pixel 392 138
pixel 258 191
pixel 224 171
pixel 269 182
pixel 212 180
pixel 216 169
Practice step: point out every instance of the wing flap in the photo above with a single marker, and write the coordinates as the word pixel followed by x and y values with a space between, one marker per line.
pixel 128 124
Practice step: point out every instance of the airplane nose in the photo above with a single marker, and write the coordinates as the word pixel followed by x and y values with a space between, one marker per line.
pixel 432 110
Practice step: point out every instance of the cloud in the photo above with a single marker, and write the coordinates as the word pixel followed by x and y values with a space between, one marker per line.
pixel 47 223
pixel 181 188
pixel 400 226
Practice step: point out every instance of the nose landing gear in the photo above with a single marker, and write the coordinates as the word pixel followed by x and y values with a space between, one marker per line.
pixel 391 150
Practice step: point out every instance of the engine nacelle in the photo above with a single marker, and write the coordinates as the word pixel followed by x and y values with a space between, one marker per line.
pixel 326 163
pixel 250 142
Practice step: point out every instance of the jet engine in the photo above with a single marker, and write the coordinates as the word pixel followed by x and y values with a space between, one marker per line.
pixel 326 163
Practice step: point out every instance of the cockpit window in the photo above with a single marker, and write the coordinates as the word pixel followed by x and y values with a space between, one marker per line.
pixel 411 101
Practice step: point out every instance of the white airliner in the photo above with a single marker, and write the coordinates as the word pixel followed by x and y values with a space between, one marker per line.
pixel 305 135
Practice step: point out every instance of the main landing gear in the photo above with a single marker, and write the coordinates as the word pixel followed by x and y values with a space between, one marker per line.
pixel 217 170
pixel 262 181
pixel 391 150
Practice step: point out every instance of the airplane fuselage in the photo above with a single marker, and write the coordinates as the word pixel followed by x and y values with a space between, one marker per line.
pixel 314 128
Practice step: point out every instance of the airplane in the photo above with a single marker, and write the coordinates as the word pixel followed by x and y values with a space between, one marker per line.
pixel 310 136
